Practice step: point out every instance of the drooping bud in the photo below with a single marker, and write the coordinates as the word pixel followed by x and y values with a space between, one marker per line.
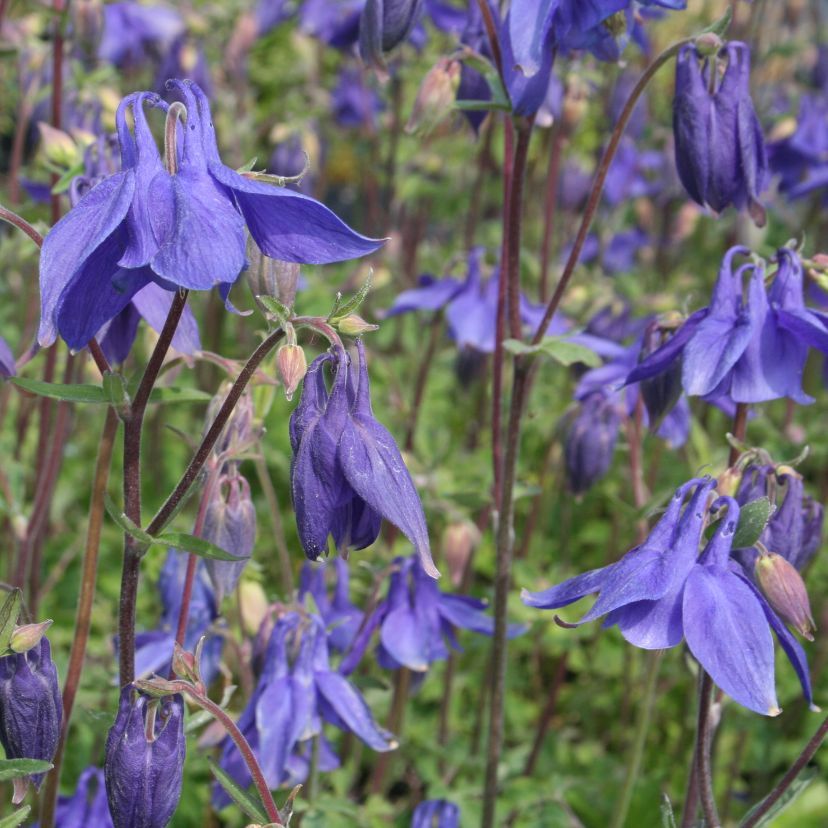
pixel 786 593
pixel 31 708
pixel 383 25
pixel 239 431
pixel 435 97
pixel 253 606
pixel 58 147
pixel 353 325
pixel 144 763
pixel 459 540
pixel 28 636
pixel 590 442
pixel 87 25
pixel 230 523
pixel 292 367
pixel 661 392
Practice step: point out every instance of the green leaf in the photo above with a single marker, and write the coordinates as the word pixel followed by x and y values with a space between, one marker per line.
pixel 15 768
pixel 240 796
pixel 8 617
pixel 248 167
pixel 179 395
pixel 59 391
pixel 668 819
pixel 481 106
pixel 17 818
pixel 341 311
pixel 129 526
pixel 115 388
pixel 279 310
pixel 753 518
pixel 561 350
pixel 797 787
pixel 65 181
pixel 198 546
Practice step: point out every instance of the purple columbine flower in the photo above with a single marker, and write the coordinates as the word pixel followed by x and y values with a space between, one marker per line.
pixel 416 619
pixel 590 441
pixel 342 618
pixel 801 158
pixel 132 32
pixel 436 813
pixel 230 523
pixel 347 472
pixel 751 348
pixel 31 708
pixel 154 648
pixel 663 592
pixel 298 689
pixel 144 225
pixel 720 150
pixel 87 807
pixel 354 103
pixel 144 763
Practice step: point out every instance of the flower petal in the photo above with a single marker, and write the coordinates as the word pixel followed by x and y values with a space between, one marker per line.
pixel 727 631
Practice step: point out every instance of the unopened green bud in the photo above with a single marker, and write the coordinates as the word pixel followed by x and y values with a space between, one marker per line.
pixel 271 277
pixel 435 97
pixel 28 636
pixel 292 367
pixel 58 147
pixel 353 325
pixel 253 605
pixel 708 44
pixel 786 593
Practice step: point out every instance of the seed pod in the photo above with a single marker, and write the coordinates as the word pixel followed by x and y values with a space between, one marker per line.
pixel 786 593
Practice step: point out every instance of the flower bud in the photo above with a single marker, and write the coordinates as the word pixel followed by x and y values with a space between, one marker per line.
pixel 353 325
pixel 58 147
pixel 31 708
pixel 144 763
pixel 230 523
pixel 292 367
pixel 708 44
pixel 239 432
pixel 28 636
pixel 86 807
pixel 252 605
pixel 385 24
pixel 785 590
pixel 87 25
pixel 590 443
pixel 661 392
pixel 459 540
pixel 435 97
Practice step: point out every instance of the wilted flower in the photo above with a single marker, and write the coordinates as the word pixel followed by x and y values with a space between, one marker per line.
pixel 416 619
pixel 342 618
pixel 347 472
pixel 229 523
pixel 296 690
pixel 185 229
pixel 750 348
pixel 31 708
pixel 663 592
pixel 436 813
pixel 144 763
pixel 87 807
pixel 720 150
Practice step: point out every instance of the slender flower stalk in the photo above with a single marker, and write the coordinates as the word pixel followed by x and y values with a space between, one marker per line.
pixel 133 551
pixel 84 614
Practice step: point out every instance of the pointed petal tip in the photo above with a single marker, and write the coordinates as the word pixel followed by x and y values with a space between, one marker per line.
pixel 774 710
pixel 814 708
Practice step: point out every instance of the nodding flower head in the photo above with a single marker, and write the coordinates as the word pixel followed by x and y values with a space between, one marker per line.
pixel 144 762
pixel 179 224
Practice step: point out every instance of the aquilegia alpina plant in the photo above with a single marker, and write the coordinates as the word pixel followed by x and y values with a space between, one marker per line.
pixel 592 385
